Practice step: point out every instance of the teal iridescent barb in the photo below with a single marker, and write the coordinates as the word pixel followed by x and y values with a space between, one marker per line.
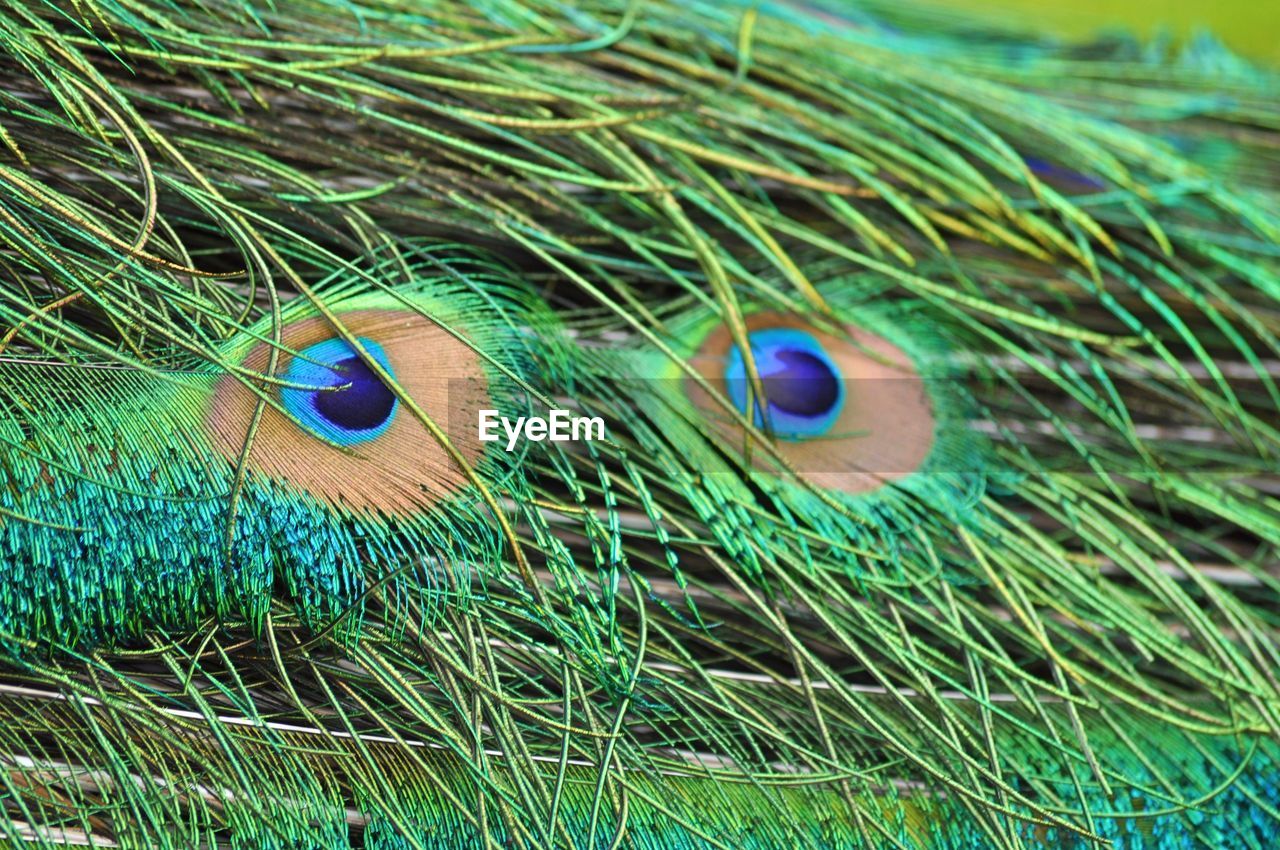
pixel 936 506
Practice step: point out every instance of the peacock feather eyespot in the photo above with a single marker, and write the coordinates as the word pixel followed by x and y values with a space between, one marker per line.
pixel 336 395
pixel 803 387
pixel 317 471
pixel 340 434
pixel 848 410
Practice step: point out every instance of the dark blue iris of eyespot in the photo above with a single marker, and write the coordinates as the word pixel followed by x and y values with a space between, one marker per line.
pixel 358 412
pixel 802 384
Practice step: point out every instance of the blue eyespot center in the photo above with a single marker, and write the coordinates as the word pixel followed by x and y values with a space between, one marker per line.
pixel 363 403
pixel 361 407
pixel 803 388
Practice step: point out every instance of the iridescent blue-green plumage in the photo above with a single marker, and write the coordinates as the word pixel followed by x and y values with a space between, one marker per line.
pixel 936 506
pixel 147 517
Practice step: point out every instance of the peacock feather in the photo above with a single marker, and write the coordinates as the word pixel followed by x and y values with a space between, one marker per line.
pixel 933 502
